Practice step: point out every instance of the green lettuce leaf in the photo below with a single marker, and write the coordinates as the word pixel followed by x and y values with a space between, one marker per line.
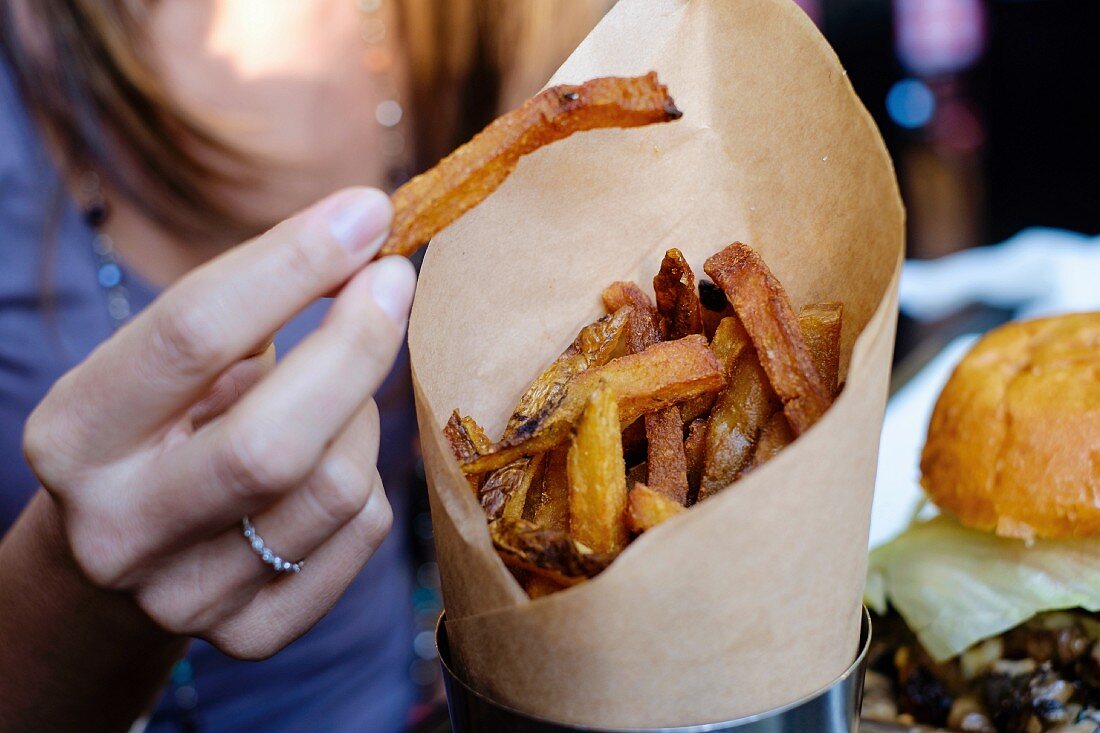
pixel 955 586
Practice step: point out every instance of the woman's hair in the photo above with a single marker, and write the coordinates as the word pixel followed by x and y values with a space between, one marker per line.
pixel 81 66
pixel 83 69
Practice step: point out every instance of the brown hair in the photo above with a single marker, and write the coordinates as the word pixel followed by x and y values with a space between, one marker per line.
pixel 82 67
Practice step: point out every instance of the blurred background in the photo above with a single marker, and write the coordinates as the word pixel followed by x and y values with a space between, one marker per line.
pixel 989 110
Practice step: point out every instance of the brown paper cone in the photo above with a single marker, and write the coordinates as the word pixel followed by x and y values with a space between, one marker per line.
pixel 751 599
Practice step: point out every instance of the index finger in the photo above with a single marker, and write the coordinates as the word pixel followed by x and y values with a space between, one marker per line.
pixel 165 360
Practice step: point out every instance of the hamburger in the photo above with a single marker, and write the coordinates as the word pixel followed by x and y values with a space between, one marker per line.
pixel 987 613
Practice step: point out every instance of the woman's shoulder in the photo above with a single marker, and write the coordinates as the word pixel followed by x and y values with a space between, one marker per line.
pixel 23 160
pixel 34 207
pixel 29 188
pixel 47 277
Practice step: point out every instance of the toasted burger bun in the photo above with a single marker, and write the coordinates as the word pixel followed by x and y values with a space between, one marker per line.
pixel 1014 442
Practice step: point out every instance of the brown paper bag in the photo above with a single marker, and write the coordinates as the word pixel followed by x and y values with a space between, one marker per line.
pixel 751 599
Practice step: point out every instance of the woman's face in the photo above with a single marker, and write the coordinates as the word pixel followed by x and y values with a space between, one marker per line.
pixel 282 80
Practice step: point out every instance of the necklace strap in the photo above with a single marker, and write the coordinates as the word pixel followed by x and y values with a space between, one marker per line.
pixel 108 271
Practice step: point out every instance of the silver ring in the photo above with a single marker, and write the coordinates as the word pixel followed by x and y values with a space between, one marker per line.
pixel 265 553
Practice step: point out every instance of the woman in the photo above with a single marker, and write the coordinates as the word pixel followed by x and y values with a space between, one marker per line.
pixel 138 142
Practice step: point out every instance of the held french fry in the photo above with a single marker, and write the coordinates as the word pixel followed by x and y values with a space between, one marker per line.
pixel 597 477
pixel 663 375
pixel 821 324
pixel 646 508
pixel 677 299
pixel 766 313
pixel 664 429
pixel 738 416
pixel 432 200
pixel 549 553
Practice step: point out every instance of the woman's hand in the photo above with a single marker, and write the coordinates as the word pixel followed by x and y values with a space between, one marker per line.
pixel 170 432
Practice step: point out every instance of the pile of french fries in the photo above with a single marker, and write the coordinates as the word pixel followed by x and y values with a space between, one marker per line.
pixel 655 407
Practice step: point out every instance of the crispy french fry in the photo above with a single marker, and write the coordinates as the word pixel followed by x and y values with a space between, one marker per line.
pixel 663 375
pixel 677 299
pixel 461 442
pixel 646 508
pixel 593 347
pixel 476 434
pixel 644 328
pixel 821 324
pixel 666 464
pixel 664 429
pixel 681 313
pixel 695 451
pixel 504 493
pixel 715 306
pixel 728 341
pixel 765 311
pixel 549 553
pixel 538 586
pixel 550 508
pixel 462 180
pixel 738 416
pixel 597 477
pixel 696 408
pixel 775 436
pixel 467 440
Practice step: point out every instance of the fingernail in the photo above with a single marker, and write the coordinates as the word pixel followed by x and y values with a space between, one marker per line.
pixel 360 219
pixel 392 287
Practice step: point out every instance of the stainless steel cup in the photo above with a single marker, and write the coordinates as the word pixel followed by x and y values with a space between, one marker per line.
pixel 833 709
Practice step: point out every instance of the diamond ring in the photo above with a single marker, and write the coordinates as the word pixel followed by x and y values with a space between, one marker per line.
pixel 265 553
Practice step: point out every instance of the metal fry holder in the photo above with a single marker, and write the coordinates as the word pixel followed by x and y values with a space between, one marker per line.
pixel 833 709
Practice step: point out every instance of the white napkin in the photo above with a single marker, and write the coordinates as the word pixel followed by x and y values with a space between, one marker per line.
pixel 1037 272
